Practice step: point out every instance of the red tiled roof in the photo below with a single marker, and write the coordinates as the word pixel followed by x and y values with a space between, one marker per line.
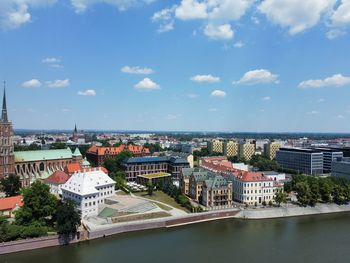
pixel 9 203
pixel 252 177
pixel 72 167
pixel 57 177
pixel 135 149
pixel 94 169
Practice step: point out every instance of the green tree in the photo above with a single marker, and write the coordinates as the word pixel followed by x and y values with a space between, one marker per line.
pixel 326 189
pixel 58 145
pixel 11 185
pixel 67 217
pixel 39 206
pixel 280 197
pixel 314 190
pixel 149 188
pixel 304 192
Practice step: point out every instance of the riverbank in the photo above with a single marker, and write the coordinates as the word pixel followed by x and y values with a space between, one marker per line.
pixel 100 231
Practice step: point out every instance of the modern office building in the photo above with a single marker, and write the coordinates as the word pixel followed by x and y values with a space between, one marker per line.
pixel 307 161
pixel 230 148
pixel 151 165
pixel 246 150
pixel 215 146
pixel 341 167
pixel 329 155
pixel 270 149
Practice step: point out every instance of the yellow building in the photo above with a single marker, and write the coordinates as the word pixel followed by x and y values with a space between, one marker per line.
pixel 230 148
pixel 215 146
pixel 246 150
pixel 270 149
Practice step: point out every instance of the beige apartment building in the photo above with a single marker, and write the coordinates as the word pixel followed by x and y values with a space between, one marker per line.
pixel 230 148
pixel 270 149
pixel 215 146
pixel 217 193
pixel 246 150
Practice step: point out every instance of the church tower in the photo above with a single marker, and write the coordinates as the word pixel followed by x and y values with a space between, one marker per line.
pixel 75 134
pixel 7 157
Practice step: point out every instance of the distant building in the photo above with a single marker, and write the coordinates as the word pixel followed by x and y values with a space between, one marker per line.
pixel 230 148
pixel 329 155
pixel 215 146
pixel 33 165
pixel 97 155
pixel 246 150
pixel 8 205
pixel 341 167
pixel 307 161
pixel 270 149
pixel 7 158
pixel 150 165
pixel 88 190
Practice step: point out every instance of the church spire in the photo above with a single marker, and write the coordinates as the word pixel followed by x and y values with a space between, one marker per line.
pixel 75 129
pixel 4 117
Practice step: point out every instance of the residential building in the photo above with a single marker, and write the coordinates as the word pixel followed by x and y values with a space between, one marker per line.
pixel 88 189
pixel 150 165
pixel 270 149
pixel 276 176
pixel 341 167
pixel 215 146
pixel 8 205
pixel 254 188
pixel 33 165
pixel 7 158
pixel 56 180
pixel 217 193
pixel 246 150
pixel 307 161
pixel 187 156
pixel 97 155
pixel 230 148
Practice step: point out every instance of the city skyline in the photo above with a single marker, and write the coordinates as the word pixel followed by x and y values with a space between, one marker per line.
pixel 176 66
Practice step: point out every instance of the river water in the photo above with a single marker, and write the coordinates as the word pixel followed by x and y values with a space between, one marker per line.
pixel 318 239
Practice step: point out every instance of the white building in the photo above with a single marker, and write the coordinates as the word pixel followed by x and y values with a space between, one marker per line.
pixel 88 189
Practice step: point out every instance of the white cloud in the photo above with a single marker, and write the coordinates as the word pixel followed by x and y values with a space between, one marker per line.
pixel 165 18
pixel 15 13
pixel 219 32
pixel 147 84
pixel 58 83
pixel 335 33
pixel 192 96
pixel 296 15
pixel 218 93
pixel 137 70
pixel 238 44
pixel 205 78
pixel 81 6
pixel 267 98
pixel 314 112
pixel 88 92
pixel 51 60
pixel 257 76
pixel 191 9
pixel 341 16
pixel 33 83
pixel 336 80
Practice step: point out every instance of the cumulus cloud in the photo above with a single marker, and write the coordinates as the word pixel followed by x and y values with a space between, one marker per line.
pixel 14 14
pixel 137 70
pixel 336 80
pixel 33 83
pixel 341 16
pixel 87 92
pixel 81 6
pixel 205 78
pixel 147 85
pixel 165 19
pixel 256 77
pixel 216 32
pixel 52 62
pixel 191 9
pixel 296 15
pixel 218 93
pixel 58 83
pixel 335 33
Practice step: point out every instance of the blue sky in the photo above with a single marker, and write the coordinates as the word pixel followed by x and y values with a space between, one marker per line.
pixel 213 65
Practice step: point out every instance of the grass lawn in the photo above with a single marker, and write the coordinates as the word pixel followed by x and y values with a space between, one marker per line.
pixel 162 197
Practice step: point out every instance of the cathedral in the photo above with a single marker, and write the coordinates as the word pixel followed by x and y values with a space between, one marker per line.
pixel 7 157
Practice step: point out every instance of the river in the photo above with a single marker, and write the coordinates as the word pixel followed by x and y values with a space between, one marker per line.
pixel 324 238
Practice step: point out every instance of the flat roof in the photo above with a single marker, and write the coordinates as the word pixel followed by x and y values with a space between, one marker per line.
pixel 154 175
pixel 304 150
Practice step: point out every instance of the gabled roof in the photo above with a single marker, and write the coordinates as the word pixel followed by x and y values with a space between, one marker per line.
pixel 9 203
pixel 57 177
pixel 42 155
pixel 77 152
pixel 72 168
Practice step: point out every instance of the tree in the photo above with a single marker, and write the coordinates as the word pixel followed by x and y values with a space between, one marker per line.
pixel 11 185
pixel 150 188
pixel 303 191
pixel 58 145
pixel 314 190
pixel 39 206
pixel 280 197
pixel 67 217
pixel 326 189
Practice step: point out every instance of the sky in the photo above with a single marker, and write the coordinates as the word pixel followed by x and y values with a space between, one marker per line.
pixel 177 65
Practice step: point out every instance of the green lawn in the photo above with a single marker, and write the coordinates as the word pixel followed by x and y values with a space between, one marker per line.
pixel 162 197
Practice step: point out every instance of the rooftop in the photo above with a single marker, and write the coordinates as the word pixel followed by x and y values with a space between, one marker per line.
pixel 57 177
pixel 9 203
pixel 42 155
pixel 154 175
